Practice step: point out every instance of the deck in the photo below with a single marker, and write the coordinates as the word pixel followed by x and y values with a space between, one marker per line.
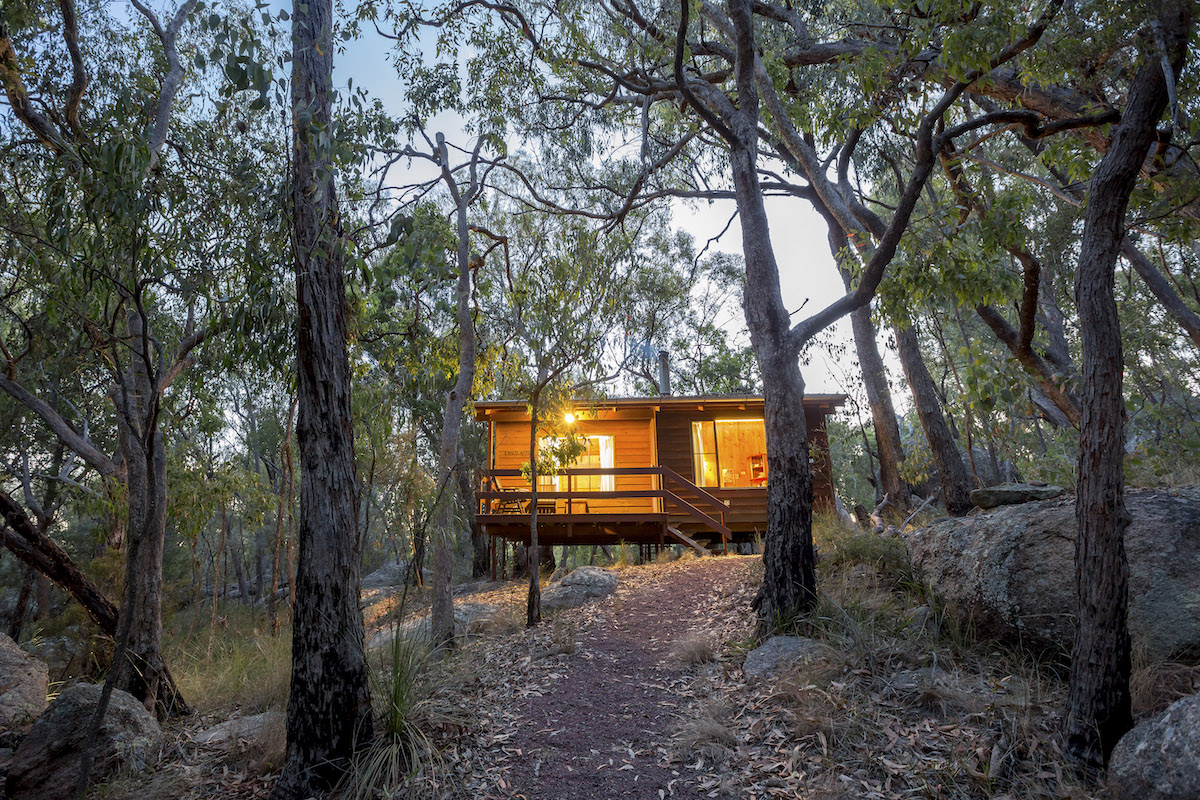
pixel 665 514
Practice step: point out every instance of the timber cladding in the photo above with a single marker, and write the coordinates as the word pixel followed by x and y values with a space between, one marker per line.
pixel 748 505
pixel 654 432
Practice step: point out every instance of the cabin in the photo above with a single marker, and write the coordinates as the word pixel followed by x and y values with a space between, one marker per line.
pixel 653 471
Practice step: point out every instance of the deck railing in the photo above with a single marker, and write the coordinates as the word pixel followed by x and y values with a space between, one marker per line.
pixel 493 499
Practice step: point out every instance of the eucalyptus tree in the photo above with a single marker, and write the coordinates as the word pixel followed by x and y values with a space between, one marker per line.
pixel 329 704
pixel 561 294
pixel 1099 695
pixel 462 196
pixel 1099 703
pixel 114 236
pixel 620 68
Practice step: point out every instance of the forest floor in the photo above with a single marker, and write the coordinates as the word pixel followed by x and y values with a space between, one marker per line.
pixel 642 695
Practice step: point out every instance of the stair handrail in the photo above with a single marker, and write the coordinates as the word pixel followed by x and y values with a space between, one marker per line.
pixel 717 503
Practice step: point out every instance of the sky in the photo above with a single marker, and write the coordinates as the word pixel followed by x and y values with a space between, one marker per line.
pixel 808 276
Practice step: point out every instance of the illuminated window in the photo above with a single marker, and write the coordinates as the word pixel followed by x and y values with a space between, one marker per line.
pixel 597 455
pixel 729 453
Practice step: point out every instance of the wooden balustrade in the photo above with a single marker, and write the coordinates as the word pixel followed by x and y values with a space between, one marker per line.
pixel 494 499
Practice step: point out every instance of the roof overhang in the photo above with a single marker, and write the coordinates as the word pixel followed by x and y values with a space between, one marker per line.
pixel 825 403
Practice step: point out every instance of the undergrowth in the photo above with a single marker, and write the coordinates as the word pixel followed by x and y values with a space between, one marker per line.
pixel 236 664
pixel 401 750
pixel 903 699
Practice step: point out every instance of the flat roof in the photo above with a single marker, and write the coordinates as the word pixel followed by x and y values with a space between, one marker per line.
pixel 825 402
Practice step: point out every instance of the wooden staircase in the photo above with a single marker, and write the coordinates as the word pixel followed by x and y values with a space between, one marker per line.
pixel 689 506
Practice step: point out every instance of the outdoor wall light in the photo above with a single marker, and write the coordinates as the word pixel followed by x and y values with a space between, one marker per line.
pixel 569 418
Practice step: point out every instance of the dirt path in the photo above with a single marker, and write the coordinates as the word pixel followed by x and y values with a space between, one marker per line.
pixel 601 731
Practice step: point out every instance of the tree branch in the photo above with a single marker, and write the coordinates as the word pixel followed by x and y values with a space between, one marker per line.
pixel 170 84
pixel 61 428
pixel 79 79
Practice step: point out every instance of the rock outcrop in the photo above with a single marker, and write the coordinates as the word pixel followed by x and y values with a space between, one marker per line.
pixel 23 684
pixel 469 618
pixel 249 728
pixel 391 573
pixel 47 762
pixel 1013 570
pixel 1007 494
pixel 1160 758
pixel 778 653
pixel 259 739
pixel 577 587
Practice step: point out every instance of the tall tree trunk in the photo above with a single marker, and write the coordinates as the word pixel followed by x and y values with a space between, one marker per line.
pixel 956 487
pixel 442 612
pixel 1098 703
pixel 888 445
pixel 239 573
pixel 789 581
pixel 879 398
pixel 789 587
pixel 329 708
pixel 144 453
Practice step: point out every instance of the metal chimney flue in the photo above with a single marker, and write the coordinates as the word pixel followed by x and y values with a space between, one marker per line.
pixel 664 373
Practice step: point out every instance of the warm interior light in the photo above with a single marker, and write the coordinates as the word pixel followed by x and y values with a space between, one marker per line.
pixel 570 418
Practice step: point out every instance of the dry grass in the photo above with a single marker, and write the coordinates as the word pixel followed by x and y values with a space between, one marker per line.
pixel 1156 686
pixel 626 556
pixel 694 650
pixel 247 668
pixel 707 734
pixel 891 709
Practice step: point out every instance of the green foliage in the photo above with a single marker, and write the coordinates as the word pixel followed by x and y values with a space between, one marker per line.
pixel 401 751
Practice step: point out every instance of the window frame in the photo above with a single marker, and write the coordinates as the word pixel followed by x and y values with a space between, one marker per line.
pixel 715 422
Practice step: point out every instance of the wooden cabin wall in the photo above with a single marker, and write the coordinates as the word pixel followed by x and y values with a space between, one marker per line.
pixel 633 446
pixel 748 506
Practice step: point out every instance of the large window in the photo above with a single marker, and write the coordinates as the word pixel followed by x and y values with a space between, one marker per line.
pixel 729 453
pixel 598 454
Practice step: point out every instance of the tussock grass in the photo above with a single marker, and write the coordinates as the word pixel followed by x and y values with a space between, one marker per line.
pixel 694 650
pixel 1155 686
pixel 706 734
pixel 407 708
pixel 842 546
pixel 666 556
pixel 246 668
pixel 626 556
